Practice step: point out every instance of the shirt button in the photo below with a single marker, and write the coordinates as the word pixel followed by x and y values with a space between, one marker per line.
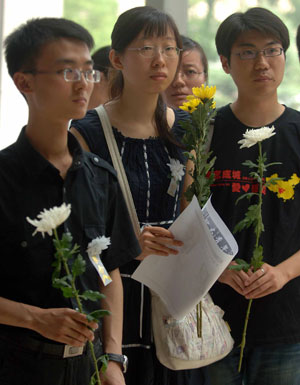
pixel 78 163
pixel 23 244
pixel 96 159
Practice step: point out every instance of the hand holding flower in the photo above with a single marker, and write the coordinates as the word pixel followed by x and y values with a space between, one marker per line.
pixel 67 325
pixel 235 278
pixel 256 283
pixel 64 325
pixel 268 281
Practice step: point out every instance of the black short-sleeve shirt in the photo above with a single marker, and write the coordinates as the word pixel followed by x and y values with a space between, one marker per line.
pixel 275 318
pixel 28 184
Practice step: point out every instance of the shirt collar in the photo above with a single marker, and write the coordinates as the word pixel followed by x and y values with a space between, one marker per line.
pixel 35 164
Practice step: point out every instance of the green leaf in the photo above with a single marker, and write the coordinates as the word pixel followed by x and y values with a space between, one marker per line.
pixel 264 157
pixel 92 295
pixel 255 176
pixel 189 156
pixel 189 193
pixel 247 195
pixel 257 258
pixel 104 362
pixel 67 238
pixel 251 218
pixel 272 164
pixel 273 181
pixel 58 283
pixel 250 164
pixel 79 266
pixel 93 380
pixel 241 265
pixel 57 269
pixel 67 292
pixel 96 315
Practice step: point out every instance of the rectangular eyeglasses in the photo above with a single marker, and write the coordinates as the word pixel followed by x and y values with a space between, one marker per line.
pixel 150 51
pixel 72 75
pixel 249 54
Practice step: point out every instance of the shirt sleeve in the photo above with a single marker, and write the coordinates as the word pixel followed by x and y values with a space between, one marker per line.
pixel 124 244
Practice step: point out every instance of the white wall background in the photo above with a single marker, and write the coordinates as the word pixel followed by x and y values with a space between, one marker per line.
pixel 13 108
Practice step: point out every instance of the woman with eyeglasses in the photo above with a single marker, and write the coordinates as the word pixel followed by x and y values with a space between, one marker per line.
pixel 192 72
pixel 145 54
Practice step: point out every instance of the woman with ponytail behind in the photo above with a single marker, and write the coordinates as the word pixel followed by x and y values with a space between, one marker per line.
pixel 145 54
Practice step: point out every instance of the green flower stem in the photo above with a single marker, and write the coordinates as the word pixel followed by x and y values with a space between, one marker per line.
pixel 243 343
pixel 261 174
pixel 258 230
pixel 79 304
pixel 199 319
pixel 198 169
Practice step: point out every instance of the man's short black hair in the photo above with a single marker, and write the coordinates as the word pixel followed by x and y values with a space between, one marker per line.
pixel 23 45
pixel 101 59
pixel 254 19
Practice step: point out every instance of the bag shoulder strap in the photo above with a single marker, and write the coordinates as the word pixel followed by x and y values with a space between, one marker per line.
pixel 118 166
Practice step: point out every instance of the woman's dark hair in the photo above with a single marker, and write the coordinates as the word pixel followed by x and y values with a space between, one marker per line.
pixel 23 45
pixel 189 44
pixel 254 19
pixel 298 40
pixel 128 26
pixel 101 59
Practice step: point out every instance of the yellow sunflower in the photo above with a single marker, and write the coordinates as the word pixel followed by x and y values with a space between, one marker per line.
pixel 204 92
pixel 191 105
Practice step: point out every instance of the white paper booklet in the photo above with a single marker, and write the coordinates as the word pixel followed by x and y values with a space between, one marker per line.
pixel 182 280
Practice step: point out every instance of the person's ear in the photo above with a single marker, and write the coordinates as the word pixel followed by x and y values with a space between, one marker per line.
pixel 115 59
pixel 225 64
pixel 23 82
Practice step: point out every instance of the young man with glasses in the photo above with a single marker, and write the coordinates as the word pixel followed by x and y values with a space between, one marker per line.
pixel 252 48
pixel 43 338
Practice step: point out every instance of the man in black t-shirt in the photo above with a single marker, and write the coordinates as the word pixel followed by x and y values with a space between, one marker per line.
pixel 41 331
pixel 252 48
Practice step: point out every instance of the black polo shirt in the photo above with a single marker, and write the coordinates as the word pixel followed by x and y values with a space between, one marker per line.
pixel 28 184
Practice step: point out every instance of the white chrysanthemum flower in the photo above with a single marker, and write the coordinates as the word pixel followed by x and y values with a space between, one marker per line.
pixel 252 137
pixel 177 169
pixel 97 245
pixel 48 220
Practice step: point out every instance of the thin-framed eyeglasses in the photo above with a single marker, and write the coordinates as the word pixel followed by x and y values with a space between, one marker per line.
pixel 249 54
pixel 189 74
pixel 149 51
pixel 72 75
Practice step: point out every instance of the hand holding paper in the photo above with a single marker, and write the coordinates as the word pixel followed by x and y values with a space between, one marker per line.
pixel 182 280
